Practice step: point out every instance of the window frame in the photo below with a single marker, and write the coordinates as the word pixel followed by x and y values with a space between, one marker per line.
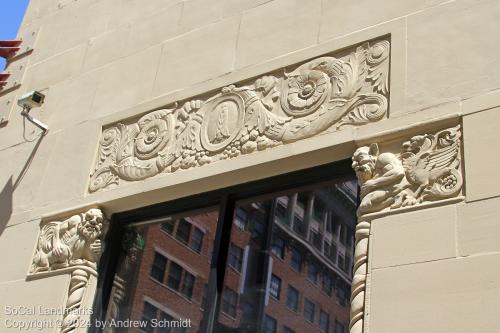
pixel 225 199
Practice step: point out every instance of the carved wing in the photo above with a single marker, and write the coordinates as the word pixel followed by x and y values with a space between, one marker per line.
pixel 439 159
pixel 47 235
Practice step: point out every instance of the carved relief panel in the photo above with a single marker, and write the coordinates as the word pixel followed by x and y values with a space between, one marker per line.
pixel 348 88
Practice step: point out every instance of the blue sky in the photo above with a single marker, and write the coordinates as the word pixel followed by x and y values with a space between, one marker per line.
pixel 11 16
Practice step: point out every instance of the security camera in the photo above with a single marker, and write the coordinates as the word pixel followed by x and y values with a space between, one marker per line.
pixel 27 102
pixel 31 100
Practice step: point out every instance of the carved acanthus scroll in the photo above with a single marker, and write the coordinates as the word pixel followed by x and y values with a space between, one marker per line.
pixel 426 169
pixel 324 93
pixel 73 246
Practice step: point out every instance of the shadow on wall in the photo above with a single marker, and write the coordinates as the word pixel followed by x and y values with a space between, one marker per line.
pixel 6 195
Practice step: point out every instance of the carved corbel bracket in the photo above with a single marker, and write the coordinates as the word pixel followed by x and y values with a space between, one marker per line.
pixel 426 169
pixel 70 246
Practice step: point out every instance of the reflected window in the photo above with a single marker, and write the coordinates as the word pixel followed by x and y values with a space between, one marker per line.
pixel 338 328
pixel 168 227
pixel 241 218
pixel 183 231
pixel 174 276
pixel 296 261
pixel 270 325
pixel 148 314
pixel 229 302
pixel 275 287
pixel 309 310
pixel 158 268
pixel 324 321
pixel 287 330
pixel 197 240
pixel 292 299
pixel 187 285
pixel 278 247
pixel 235 259
pixel 312 272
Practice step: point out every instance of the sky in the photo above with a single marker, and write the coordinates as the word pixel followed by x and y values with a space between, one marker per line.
pixel 11 16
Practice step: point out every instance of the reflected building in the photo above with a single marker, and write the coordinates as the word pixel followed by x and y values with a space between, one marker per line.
pixel 288 266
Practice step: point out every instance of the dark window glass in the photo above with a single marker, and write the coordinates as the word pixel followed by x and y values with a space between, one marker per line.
pixel 316 239
pixel 187 285
pixel 165 317
pixel 299 225
pixel 270 325
pixel 278 247
pixel 158 268
pixel 281 210
pixel 148 313
pixel 183 231
pixel 309 310
pixel 327 284
pixel 174 276
pixel 342 295
pixel 343 234
pixel 235 259
pixel 319 209
pixel 288 330
pixel 240 218
pixel 341 261
pixel 338 328
pixel 229 302
pixel 275 286
pixel 324 321
pixel 197 240
pixel 292 298
pixel 296 261
pixel 168 226
pixel 312 272
pixel 347 264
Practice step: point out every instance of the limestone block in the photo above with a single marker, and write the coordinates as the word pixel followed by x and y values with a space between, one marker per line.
pixel 419 236
pixel 67 170
pixel 19 238
pixel 106 48
pixel 58 68
pixel 343 17
pixel 129 11
pixel 479 227
pixel 482 169
pixel 43 295
pixel 197 56
pixel 276 28
pixel 454 295
pixel 126 82
pixel 452 58
pixel 154 29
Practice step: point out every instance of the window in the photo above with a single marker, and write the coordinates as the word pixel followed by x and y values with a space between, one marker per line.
pixel 148 313
pixel 228 241
pixel 341 262
pixel 278 247
pixel 347 264
pixel 338 328
pixel 342 295
pixel 168 226
pixel 312 272
pixel 235 259
pixel 309 309
pixel 174 276
pixel 197 240
pixel 324 321
pixel 229 302
pixel 183 231
pixel 240 218
pixel 187 285
pixel 296 261
pixel 292 299
pixel 327 284
pixel 270 324
pixel 158 268
pixel 275 286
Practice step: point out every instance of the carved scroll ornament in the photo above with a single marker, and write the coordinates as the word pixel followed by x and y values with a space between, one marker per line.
pixel 70 246
pixel 324 93
pixel 426 169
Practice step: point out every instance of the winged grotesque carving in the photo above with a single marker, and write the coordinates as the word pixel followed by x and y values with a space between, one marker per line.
pixel 74 241
pixel 322 94
pixel 426 169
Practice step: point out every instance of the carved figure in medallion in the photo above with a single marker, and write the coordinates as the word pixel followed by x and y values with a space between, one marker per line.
pixel 379 175
pixel 70 242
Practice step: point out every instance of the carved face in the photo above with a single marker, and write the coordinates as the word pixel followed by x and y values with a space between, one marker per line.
pixel 363 163
pixel 91 225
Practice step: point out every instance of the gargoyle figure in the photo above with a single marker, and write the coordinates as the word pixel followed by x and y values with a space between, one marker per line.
pixel 430 162
pixel 380 177
pixel 70 242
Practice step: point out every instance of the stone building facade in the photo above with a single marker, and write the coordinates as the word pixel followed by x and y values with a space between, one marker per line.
pixel 152 102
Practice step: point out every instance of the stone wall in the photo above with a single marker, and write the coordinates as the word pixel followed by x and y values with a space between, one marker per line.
pixel 430 268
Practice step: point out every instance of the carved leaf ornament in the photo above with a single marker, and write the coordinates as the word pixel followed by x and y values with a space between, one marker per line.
pixel 321 94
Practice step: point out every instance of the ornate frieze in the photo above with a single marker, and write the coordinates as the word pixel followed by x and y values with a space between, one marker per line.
pixel 73 246
pixel 322 94
pixel 427 168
